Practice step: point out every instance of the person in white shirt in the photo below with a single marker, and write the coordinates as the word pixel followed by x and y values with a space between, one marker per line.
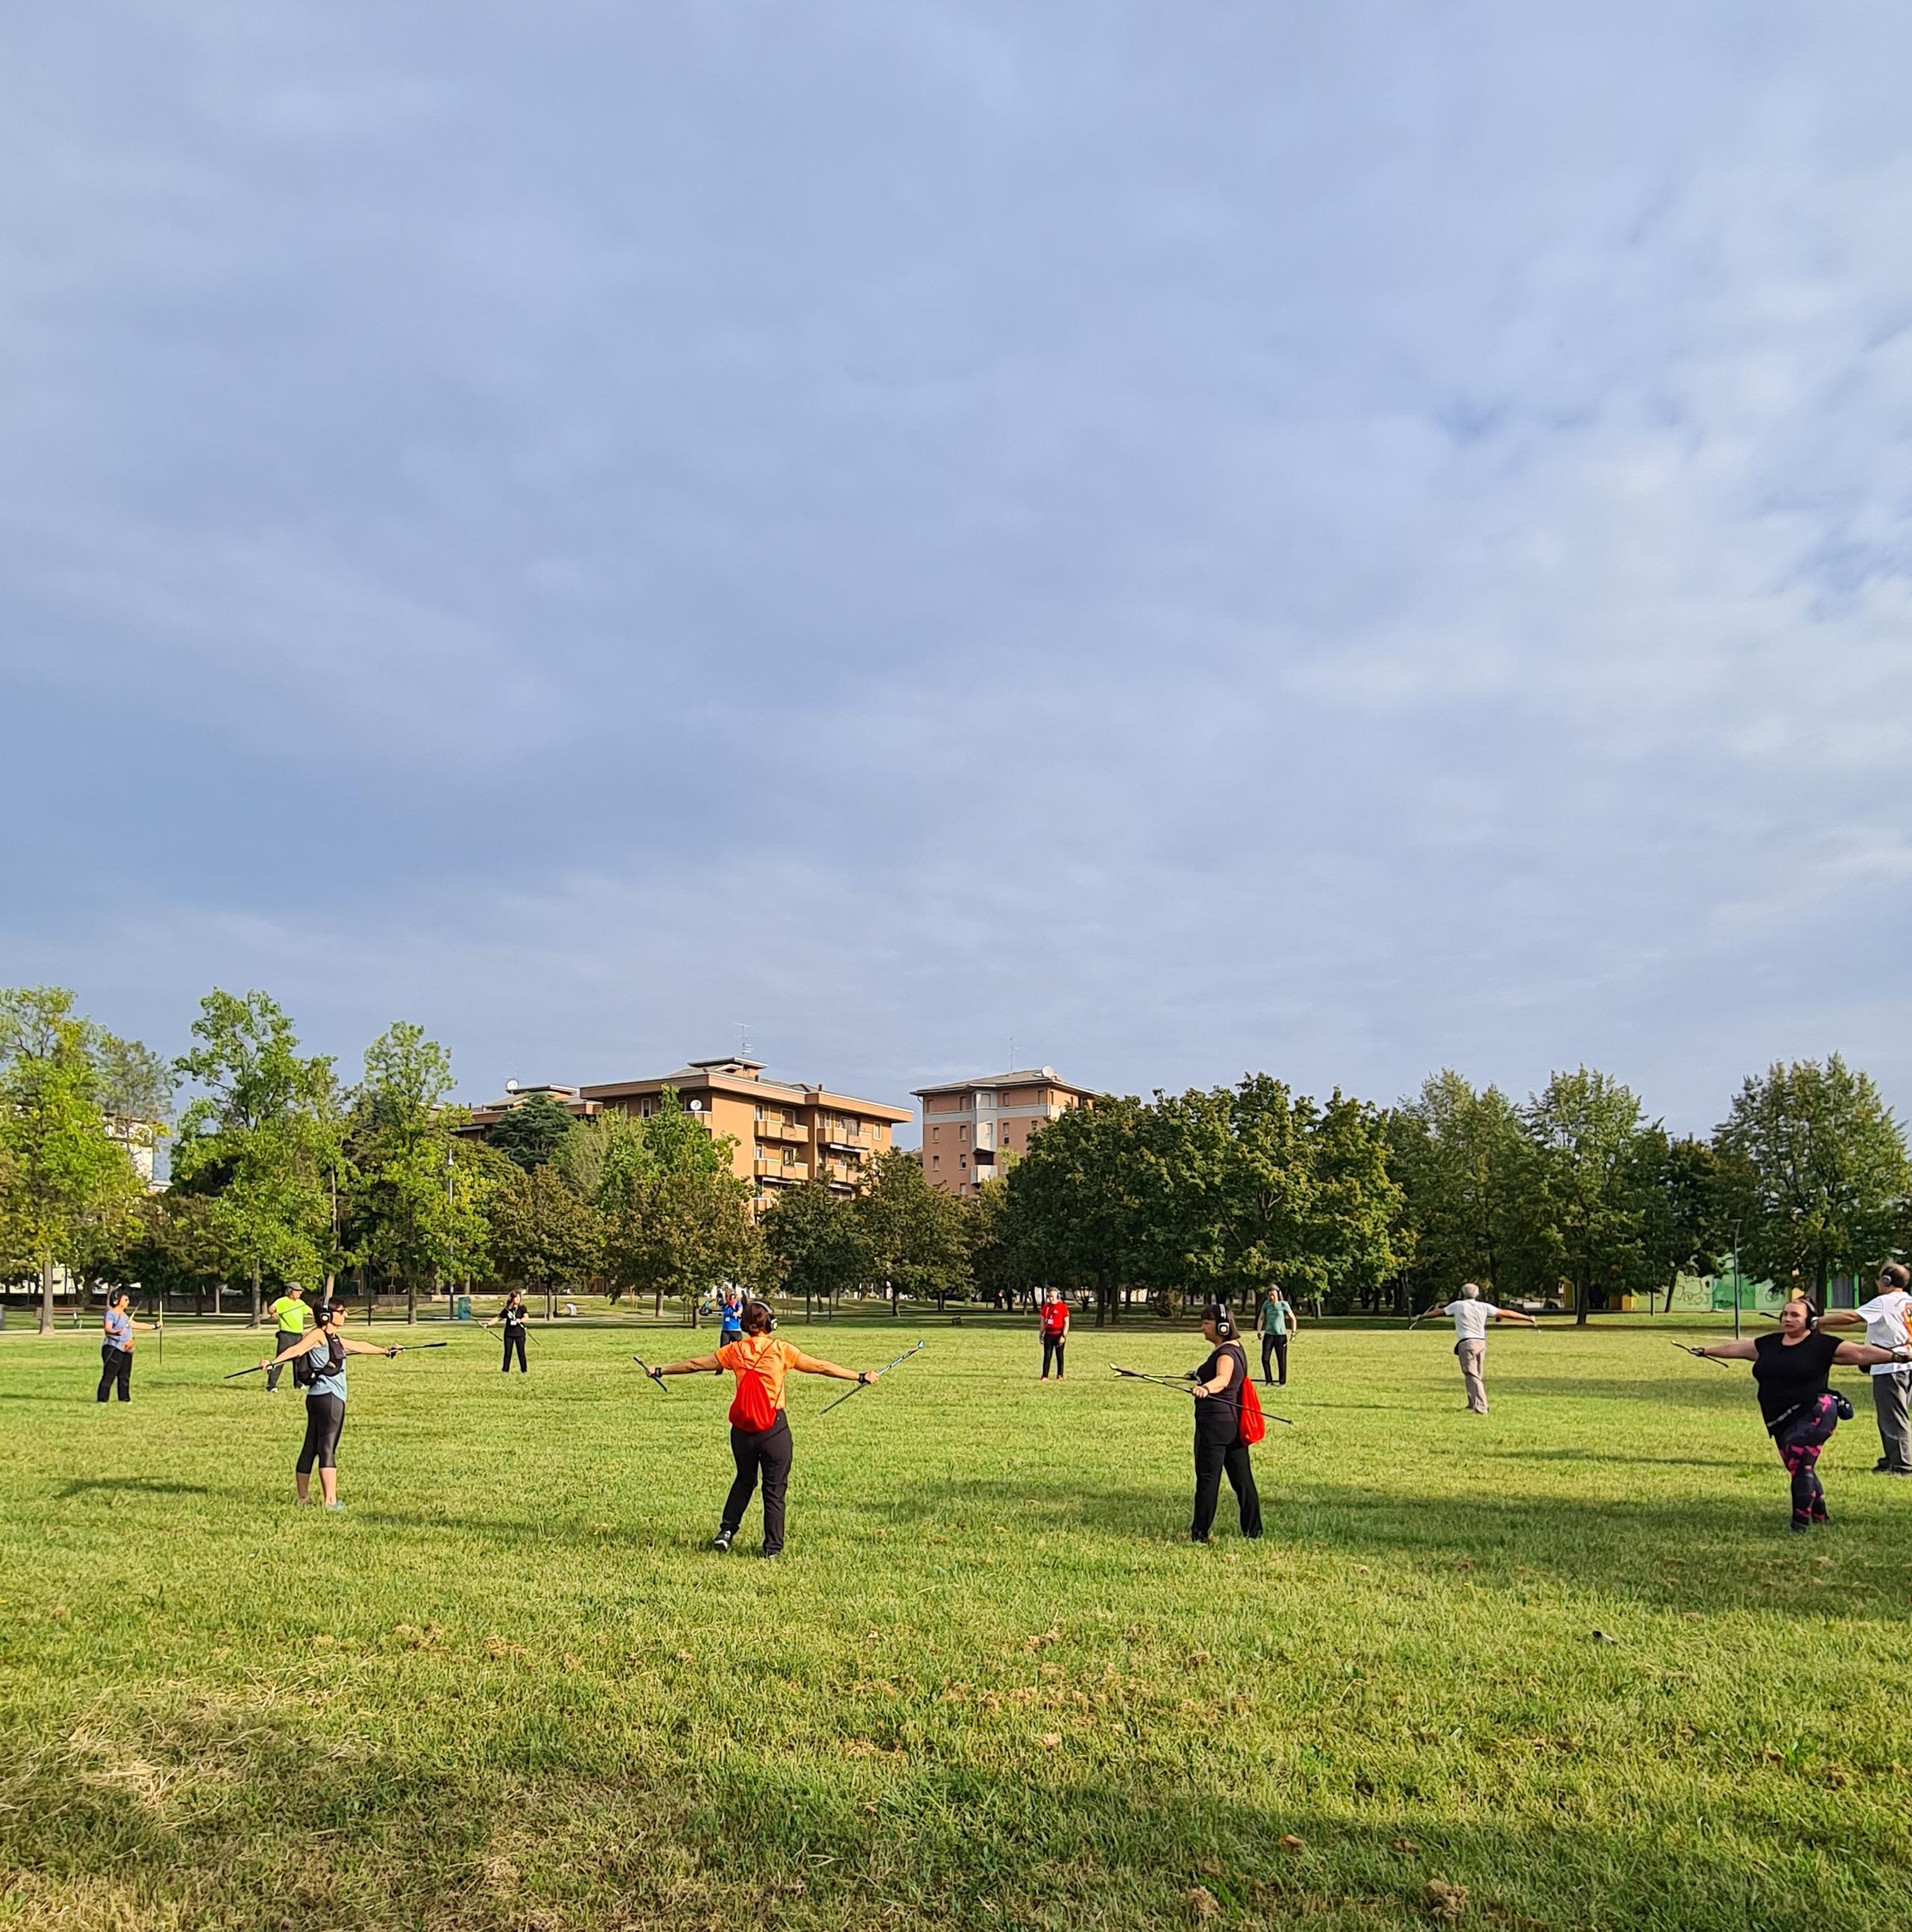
pixel 1471 1317
pixel 1887 1321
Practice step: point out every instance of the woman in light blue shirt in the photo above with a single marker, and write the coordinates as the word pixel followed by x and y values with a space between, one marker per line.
pixel 318 1362
pixel 116 1350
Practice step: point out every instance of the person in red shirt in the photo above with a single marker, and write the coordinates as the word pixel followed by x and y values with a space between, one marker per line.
pixel 760 1431
pixel 1055 1331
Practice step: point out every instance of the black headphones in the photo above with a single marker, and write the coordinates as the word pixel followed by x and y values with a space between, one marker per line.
pixel 1219 1316
pixel 757 1301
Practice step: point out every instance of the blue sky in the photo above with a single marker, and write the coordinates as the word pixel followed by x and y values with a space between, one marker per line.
pixel 1340 540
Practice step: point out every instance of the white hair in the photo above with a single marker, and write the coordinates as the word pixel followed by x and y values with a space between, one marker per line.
pixel 1468 1292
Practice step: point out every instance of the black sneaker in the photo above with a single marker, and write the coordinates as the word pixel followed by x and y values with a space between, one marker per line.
pixel 1798 1526
pixel 721 1542
pixel 1884 1467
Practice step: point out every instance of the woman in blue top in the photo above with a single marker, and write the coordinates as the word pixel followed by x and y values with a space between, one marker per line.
pixel 116 1350
pixel 318 1362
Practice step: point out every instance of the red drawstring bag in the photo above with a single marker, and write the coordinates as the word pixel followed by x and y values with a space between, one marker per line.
pixel 1254 1426
pixel 751 1407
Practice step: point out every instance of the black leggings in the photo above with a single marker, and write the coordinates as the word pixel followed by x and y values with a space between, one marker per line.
pixel 1276 1346
pixel 324 1417
pixel 768 1450
pixel 1211 1458
pixel 116 1366
pixel 1052 1347
pixel 1799 1442
pixel 514 1339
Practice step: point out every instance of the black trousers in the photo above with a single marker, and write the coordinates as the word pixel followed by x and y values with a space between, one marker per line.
pixel 1211 1458
pixel 1052 1347
pixel 282 1341
pixel 116 1366
pixel 324 1417
pixel 514 1339
pixel 1276 1346
pixel 768 1449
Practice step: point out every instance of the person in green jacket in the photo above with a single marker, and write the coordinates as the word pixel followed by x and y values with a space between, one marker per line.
pixel 292 1315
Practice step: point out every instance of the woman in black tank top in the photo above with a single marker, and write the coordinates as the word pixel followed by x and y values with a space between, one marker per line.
pixel 1219 1447
pixel 1790 1377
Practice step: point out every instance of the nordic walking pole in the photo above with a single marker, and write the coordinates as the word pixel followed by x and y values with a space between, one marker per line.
pixel 411 1348
pixel 877 1377
pixel 1685 1350
pixel 237 1372
pixel 651 1375
pixel 1181 1382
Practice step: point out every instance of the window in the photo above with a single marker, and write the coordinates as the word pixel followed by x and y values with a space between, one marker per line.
pixel 962 1133
pixel 963 1160
pixel 935 1133
pixel 936 1160
pixel 760 1113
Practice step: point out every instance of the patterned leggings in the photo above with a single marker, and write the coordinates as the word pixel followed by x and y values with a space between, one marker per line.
pixel 1798 1444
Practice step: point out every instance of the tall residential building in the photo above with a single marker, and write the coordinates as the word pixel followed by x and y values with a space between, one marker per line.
pixel 782 1133
pixel 968 1125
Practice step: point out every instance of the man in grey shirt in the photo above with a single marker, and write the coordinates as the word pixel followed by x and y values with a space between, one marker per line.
pixel 1470 1316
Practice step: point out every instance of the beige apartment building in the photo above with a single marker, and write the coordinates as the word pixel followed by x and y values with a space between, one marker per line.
pixel 969 1125
pixel 782 1134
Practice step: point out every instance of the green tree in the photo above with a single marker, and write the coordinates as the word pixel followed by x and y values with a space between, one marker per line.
pixel 262 1142
pixel 1813 1169
pixel 543 1236
pixel 813 1243
pixel 999 1259
pixel 1463 1162
pixel 1075 1197
pixel 67 1176
pixel 912 1233
pixel 531 1132
pixel 683 1231
pixel 1596 1187
pixel 418 1211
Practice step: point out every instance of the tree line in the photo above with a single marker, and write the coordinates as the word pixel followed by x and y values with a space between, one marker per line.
pixel 282 1170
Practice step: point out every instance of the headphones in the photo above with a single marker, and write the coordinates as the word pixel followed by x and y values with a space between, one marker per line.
pixel 756 1302
pixel 1219 1316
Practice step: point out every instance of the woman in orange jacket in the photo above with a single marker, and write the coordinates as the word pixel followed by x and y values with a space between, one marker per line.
pixel 760 1431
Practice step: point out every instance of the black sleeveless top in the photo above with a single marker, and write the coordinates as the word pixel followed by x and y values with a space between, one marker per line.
pixel 1218 1418
pixel 1787 1378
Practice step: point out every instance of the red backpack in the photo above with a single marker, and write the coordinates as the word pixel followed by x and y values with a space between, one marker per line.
pixel 1254 1425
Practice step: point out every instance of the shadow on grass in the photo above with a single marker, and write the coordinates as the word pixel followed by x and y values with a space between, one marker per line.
pixel 520 1826
pixel 87 1486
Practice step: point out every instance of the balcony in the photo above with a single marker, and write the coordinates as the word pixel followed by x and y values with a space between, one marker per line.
pixel 782 1173
pixel 775 1130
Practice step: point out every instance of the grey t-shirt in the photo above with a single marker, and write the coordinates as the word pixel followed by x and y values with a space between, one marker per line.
pixel 1470 1319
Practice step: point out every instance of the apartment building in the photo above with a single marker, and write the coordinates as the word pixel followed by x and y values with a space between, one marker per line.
pixel 969 1125
pixel 781 1133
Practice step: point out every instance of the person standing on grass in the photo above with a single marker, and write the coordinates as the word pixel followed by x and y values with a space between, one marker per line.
pixel 760 1431
pixel 1054 1318
pixel 514 1315
pixel 289 1315
pixel 1219 1446
pixel 1274 1322
pixel 116 1348
pixel 1470 1316
pixel 318 1364
pixel 1885 1319
pixel 1789 1376
pixel 730 1317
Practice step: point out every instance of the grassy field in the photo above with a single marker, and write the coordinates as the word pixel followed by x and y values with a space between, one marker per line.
pixel 1562 1658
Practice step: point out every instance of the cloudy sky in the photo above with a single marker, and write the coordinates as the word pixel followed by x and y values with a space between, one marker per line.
pixel 1192 537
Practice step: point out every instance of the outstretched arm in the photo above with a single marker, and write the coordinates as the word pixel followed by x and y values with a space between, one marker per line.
pixel 366 1348
pixel 1864 1355
pixel 1733 1351
pixel 1841 1318
pixel 692 1365
pixel 305 1344
pixel 810 1365
pixel 1514 1315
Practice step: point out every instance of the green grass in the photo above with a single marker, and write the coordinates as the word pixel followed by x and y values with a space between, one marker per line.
pixel 987 1687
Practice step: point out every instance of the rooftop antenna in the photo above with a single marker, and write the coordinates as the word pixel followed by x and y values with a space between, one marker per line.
pixel 1012 1053
pixel 743 1040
